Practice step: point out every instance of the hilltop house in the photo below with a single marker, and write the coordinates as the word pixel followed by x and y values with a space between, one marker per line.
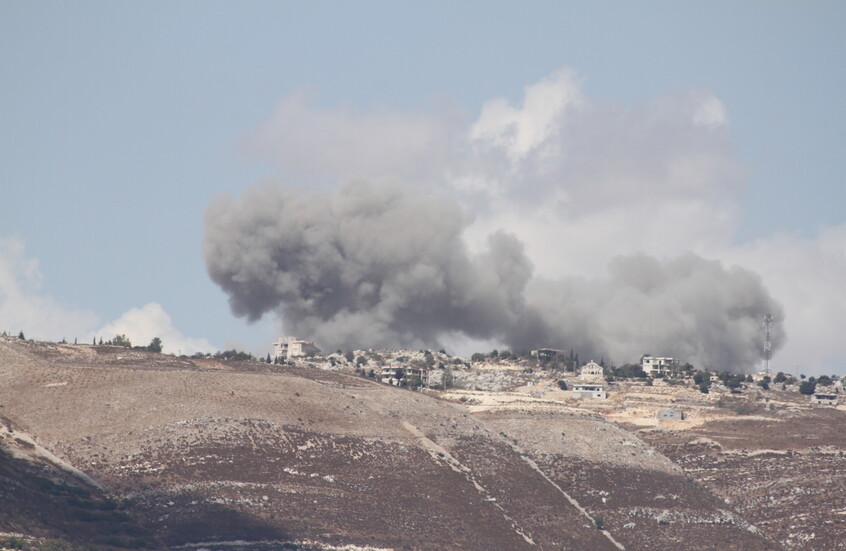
pixel 657 366
pixel 400 375
pixel 549 353
pixel 591 382
pixel 824 399
pixel 292 347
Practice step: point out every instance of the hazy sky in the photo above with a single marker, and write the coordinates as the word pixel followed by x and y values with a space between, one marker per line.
pixel 716 127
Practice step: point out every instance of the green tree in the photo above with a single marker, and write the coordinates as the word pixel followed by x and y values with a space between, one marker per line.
pixel 735 381
pixel 349 356
pixel 448 379
pixel 807 387
pixel 21 335
pixel 780 377
pixel 705 387
pixel 477 357
pixel 824 380
pixel 764 384
pixel 562 384
pixel 360 361
pixel 155 345
pixel 121 340
pixel 399 374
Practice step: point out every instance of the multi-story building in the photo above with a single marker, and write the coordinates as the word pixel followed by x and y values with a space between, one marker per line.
pixel 292 347
pixel 657 366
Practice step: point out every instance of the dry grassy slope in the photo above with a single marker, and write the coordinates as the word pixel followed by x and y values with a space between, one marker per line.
pixel 207 451
pixel 786 473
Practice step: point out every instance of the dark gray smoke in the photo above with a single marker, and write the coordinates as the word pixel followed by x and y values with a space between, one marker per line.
pixel 385 266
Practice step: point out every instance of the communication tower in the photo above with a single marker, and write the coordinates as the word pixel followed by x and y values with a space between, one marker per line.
pixel 768 346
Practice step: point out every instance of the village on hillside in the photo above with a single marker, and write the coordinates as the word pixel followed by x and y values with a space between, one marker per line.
pixel 656 391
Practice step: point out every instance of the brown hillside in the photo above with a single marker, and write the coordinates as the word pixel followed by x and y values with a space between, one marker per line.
pixel 200 451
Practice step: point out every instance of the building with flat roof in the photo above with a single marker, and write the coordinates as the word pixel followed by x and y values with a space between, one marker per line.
pixel 549 353
pixel 287 348
pixel 657 366
pixel 824 399
pixel 584 389
pixel 401 375
pixel 671 414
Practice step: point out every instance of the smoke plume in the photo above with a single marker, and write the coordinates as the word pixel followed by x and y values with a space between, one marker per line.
pixel 376 265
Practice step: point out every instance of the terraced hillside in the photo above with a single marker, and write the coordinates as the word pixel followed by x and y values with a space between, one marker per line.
pixel 786 471
pixel 198 451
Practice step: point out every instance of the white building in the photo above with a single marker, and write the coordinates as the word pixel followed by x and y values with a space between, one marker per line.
pixel 592 371
pixel 549 353
pixel 591 383
pixel 399 375
pixel 657 366
pixel 292 347
pixel 671 414
pixel 583 389
pixel 824 399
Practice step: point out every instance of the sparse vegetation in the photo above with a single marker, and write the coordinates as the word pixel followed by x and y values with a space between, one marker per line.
pixel 599 523
pixel 808 387
pixel 155 345
pixel 121 340
pixel 233 355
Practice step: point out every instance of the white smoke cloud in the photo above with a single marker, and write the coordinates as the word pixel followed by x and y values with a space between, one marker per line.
pixel 519 131
pixel 579 182
pixel 307 142
pixel 807 274
pixel 24 307
pixel 141 325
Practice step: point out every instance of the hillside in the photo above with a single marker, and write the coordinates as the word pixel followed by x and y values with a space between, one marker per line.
pixel 193 451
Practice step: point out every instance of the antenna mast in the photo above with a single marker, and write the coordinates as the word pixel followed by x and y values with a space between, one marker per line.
pixel 768 319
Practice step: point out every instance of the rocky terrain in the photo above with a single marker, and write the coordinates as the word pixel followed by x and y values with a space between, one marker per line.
pixel 106 447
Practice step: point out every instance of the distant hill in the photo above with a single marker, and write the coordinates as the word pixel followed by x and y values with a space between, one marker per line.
pixel 194 453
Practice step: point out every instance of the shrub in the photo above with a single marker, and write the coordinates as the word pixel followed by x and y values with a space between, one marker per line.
pixel 13 542
pixel 561 384
pixel 121 340
pixel 824 380
pixel 156 346
pixel 599 523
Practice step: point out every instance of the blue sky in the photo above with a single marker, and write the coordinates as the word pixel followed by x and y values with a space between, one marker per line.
pixel 122 121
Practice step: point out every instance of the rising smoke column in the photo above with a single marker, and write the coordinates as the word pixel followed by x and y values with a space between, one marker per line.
pixel 377 265
pixel 372 266
pixel 687 307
